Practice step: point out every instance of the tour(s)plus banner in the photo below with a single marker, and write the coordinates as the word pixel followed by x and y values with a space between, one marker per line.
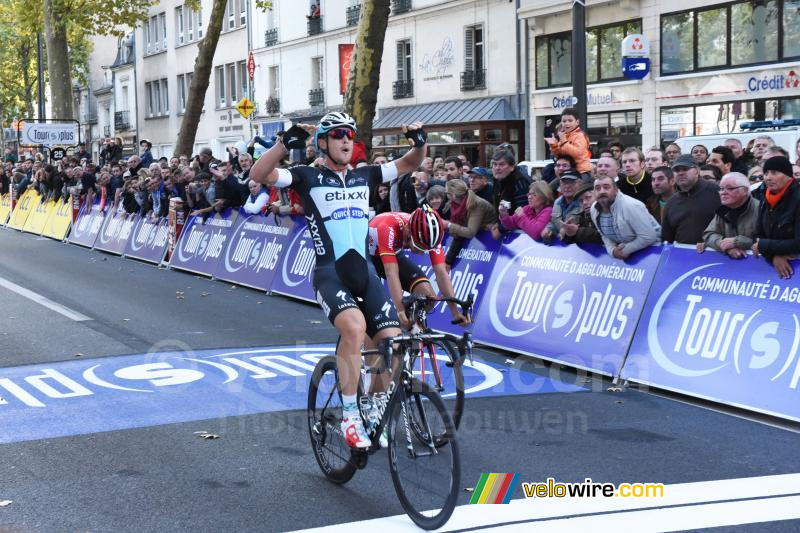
pixel 5 208
pixel 59 221
pixel 87 226
pixel 469 276
pixel 149 239
pixel 576 305
pixel 202 242
pixel 25 206
pixel 296 268
pixel 115 232
pixel 722 329
pixel 38 217
pixel 254 249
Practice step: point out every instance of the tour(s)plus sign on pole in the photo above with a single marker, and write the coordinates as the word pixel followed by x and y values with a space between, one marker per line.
pixel 579 58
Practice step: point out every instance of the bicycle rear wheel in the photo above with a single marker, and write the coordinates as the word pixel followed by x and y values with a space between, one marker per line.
pixel 426 475
pixel 324 423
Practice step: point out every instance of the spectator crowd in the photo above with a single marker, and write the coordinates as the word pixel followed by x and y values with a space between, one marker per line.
pixel 731 198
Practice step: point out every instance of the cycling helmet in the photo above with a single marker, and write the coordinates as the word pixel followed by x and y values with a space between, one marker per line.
pixel 331 121
pixel 426 227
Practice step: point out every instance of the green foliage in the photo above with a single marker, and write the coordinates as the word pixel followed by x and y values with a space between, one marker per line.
pixel 264 5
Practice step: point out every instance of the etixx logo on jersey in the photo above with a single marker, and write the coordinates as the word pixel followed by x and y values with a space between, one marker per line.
pixel 706 321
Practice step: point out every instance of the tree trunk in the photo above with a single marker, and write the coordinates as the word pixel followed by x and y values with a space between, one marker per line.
pixel 200 80
pixel 58 62
pixel 27 79
pixel 365 68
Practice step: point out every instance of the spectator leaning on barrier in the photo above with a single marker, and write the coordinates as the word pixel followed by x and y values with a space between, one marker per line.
pixel 452 168
pixel 732 228
pixel 531 218
pixel 572 141
pixel 479 183
pixel 623 222
pixel 284 201
pixel 580 229
pixel 607 166
pixel 420 181
pixel 436 197
pixel 636 183
pixel 257 199
pixel 381 204
pixel 552 172
pixel 468 215
pixel 565 206
pixel 796 172
pixel 689 211
pixel 778 228
pixel 663 182
pixel 510 184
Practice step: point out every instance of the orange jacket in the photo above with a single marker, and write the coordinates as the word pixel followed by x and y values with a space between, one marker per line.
pixel 576 145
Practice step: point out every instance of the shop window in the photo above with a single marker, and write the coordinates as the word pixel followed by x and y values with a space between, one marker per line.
pixel 731 35
pixel 495 134
pixel 790 108
pixel 470 135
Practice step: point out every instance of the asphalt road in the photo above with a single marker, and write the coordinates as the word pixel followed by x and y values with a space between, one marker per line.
pixel 120 466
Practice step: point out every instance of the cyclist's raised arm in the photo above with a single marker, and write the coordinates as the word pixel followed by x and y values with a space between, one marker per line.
pixel 413 158
pixel 264 170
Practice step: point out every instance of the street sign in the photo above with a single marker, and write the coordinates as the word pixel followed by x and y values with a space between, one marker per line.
pixel 50 133
pixel 245 107
pixel 635 45
pixel 635 68
pixel 251 66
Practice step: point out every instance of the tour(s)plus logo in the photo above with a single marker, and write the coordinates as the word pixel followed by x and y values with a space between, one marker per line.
pixel 256 251
pixel 150 235
pixel 299 260
pixel 520 303
pixel 696 328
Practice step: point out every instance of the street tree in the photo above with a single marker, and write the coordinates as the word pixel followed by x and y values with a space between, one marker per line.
pixel 365 68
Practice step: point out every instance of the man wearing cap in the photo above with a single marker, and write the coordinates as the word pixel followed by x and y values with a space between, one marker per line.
pixel 623 222
pixel 565 206
pixel 580 229
pixel 146 156
pixel 687 214
pixel 778 226
pixel 479 183
pixel 732 229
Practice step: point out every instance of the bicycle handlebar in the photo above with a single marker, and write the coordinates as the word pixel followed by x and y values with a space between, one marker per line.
pixel 413 301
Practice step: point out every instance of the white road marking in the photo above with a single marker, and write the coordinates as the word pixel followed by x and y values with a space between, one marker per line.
pixel 45 302
pixel 684 506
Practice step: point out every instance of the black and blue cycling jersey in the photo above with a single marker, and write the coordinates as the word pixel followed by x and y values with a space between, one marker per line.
pixel 336 207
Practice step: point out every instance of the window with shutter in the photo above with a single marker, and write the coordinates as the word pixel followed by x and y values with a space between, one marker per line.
pixel 469 49
pixel 401 49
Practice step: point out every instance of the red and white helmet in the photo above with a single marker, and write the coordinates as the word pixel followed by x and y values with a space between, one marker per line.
pixel 426 228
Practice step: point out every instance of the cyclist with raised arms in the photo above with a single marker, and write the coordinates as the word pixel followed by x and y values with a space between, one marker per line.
pixel 421 231
pixel 335 199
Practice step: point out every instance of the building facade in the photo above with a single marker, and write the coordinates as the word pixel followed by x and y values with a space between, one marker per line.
pixel 714 65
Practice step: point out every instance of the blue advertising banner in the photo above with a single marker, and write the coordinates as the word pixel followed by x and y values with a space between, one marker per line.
pixel 114 234
pixel 254 249
pixel 296 271
pixel 149 240
pixel 87 226
pixel 202 242
pixel 722 329
pixel 469 276
pixel 91 395
pixel 575 305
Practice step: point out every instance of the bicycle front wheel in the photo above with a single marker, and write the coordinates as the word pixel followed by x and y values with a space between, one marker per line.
pixel 440 368
pixel 426 474
pixel 324 423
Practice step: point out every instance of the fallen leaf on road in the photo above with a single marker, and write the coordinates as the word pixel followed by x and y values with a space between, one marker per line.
pixel 469 489
pixel 179 295
pixel 5 503
pixel 208 436
pixel 12 317
pixel 620 402
pixel 126 319
pixel 316 321
pixel 614 389
pixel 233 286
pixel 259 303
pixel 79 354
pixel 203 294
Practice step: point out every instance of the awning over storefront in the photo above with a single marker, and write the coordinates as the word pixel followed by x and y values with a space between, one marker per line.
pixel 455 112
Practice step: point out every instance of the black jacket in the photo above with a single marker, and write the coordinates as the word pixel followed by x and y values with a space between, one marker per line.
pixel 778 228
pixel 514 188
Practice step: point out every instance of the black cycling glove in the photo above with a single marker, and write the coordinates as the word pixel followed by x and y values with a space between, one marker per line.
pixel 418 137
pixel 295 138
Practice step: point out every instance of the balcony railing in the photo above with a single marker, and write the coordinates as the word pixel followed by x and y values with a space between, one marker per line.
pixel 353 12
pixel 403 89
pixel 315 26
pixel 316 97
pixel 271 37
pixel 122 120
pixel 273 105
pixel 401 6
pixel 472 80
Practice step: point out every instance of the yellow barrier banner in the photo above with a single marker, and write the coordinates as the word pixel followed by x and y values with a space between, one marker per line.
pixel 57 225
pixel 5 208
pixel 25 206
pixel 38 217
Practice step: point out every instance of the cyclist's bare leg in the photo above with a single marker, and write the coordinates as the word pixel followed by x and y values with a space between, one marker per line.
pixel 352 327
pixel 380 383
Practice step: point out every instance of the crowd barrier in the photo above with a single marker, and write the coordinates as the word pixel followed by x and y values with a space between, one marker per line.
pixel 701 324
pixel 49 219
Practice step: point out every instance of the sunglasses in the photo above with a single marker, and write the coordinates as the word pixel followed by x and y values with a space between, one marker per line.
pixel 341 133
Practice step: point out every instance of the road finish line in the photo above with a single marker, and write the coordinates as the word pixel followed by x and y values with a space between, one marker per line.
pixel 164 387
pixel 683 507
